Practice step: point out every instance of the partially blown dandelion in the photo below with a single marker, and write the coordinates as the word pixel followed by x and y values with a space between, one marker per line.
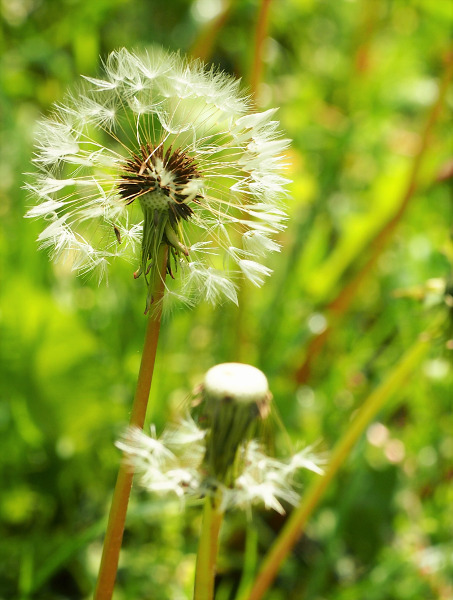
pixel 220 460
pixel 174 464
pixel 161 151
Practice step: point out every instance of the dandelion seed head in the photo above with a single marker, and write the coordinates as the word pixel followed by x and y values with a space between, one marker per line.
pixel 161 150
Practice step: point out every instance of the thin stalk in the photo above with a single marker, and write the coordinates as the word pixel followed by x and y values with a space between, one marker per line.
pixel 294 526
pixel 368 23
pixel 260 37
pixel 250 561
pixel 120 500
pixel 207 551
pixel 204 43
pixel 262 24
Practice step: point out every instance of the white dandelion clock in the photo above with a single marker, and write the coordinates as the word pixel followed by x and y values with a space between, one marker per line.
pixel 161 151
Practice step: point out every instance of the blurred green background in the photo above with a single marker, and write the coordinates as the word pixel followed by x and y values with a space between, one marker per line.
pixel 356 82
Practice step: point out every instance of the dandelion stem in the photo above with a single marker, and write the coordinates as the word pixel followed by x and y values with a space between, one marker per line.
pixel 260 37
pixel 294 526
pixel 256 69
pixel 207 550
pixel 205 41
pixel 120 500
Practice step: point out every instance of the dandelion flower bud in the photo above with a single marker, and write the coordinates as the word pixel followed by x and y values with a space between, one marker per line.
pixel 235 397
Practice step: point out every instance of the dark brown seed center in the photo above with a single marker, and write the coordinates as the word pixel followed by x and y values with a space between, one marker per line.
pixel 151 169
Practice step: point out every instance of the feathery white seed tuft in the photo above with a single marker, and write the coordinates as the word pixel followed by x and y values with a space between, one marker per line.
pixel 181 139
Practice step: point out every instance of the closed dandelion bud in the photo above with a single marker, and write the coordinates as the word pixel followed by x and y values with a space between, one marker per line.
pixel 235 397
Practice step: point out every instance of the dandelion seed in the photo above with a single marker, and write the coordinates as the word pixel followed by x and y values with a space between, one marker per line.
pixel 161 151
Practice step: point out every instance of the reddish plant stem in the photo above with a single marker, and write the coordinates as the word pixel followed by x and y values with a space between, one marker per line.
pixel 203 45
pixel 120 500
pixel 260 36
pixel 242 332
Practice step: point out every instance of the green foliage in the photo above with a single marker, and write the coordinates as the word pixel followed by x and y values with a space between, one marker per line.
pixel 355 82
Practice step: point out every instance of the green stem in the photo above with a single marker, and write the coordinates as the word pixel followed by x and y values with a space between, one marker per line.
pixel 207 551
pixel 250 561
pixel 295 524
pixel 120 500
